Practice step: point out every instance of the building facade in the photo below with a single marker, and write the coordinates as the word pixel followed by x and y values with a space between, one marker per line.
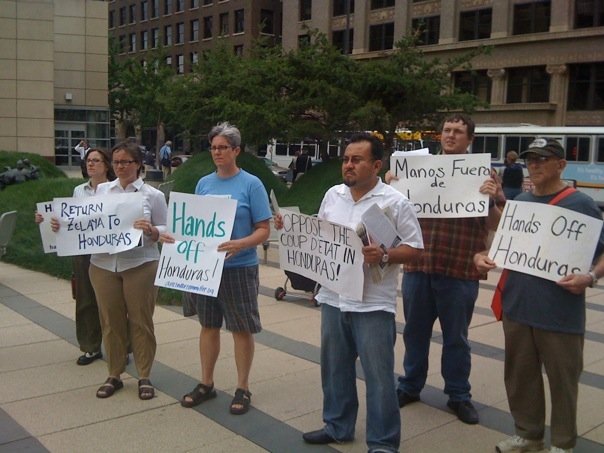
pixel 53 77
pixel 187 28
pixel 546 66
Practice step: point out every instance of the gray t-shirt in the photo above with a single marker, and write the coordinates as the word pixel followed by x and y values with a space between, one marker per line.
pixel 542 303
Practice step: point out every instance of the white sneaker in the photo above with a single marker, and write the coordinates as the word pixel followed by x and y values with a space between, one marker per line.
pixel 560 450
pixel 518 444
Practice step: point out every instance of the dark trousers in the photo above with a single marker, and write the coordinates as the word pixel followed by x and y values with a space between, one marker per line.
pixel 88 325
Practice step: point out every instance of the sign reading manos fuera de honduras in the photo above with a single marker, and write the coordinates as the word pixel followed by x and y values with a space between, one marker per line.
pixel 99 224
pixel 325 252
pixel 446 185
pixel 199 224
pixel 544 240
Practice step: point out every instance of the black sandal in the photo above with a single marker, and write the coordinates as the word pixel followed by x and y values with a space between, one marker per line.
pixel 146 391
pixel 110 386
pixel 241 402
pixel 198 395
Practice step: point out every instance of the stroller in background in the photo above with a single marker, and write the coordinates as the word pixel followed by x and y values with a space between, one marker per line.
pixel 300 283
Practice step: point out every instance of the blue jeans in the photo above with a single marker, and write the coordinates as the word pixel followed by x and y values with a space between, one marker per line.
pixel 370 337
pixel 451 300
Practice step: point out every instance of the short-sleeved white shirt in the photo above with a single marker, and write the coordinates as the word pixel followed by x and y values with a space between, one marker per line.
pixel 339 207
pixel 155 209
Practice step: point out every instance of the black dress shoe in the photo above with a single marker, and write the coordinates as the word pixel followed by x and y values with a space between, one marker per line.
pixel 465 411
pixel 405 398
pixel 318 437
pixel 89 357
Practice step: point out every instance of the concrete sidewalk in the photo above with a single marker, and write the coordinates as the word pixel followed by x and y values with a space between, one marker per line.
pixel 48 403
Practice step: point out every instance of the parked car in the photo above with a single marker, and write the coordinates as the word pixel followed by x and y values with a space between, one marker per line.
pixel 279 171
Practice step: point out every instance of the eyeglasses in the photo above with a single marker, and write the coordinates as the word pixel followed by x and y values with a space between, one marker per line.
pixel 122 163
pixel 94 161
pixel 354 160
pixel 537 159
pixel 220 148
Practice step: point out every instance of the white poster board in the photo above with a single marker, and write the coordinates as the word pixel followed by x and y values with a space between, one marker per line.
pixel 443 186
pixel 544 240
pixel 325 252
pixel 46 233
pixel 199 224
pixel 99 224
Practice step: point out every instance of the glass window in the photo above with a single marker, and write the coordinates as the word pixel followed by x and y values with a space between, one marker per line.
pixel 111 19
pixel 589 13
pixel 426 29
pixel 194 4
pixel 577 149
pixel 180 5
pixel 180 64
pixel 194 30
pixel 169 60
pixel 208 2
pixel 154 8
pixel 303 40
pixel 339 7
pixel 266 20
pixel 239 21
pixel 586 86
pixel 132 14
pixel 121 41
pixel 144 40
pixel 528 85
pixel 155 37
pixel 475 24
pixel 238 50
pixel 600 149
pixel 305 10
pixel 123 15
pixel 207 27
pixel 377 4
pixel 132 43
pixel 381 37
pixel 193 58
pixel 168 35
pixel 180 33
pixel 167 6
pixel 532 17
pixel 477 83
pixel 144 10
pixel 486 144
pixel 517 143
pixel 337 39
pixel 224 24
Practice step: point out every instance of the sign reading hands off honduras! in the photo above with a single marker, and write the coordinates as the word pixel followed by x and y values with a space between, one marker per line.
pixel 446 185
pixel 199 224
pixel 544 240
pixel 99 224
pixel 46 233
pixel 326 252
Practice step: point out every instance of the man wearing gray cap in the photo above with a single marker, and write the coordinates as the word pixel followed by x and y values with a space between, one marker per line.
pixel 544 321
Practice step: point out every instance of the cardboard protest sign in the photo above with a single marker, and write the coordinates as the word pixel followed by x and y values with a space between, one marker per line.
pixel 445 185
pixel 325 252
pixel 99 224
pixel 199 224
pixel 46 233
pixel 544 240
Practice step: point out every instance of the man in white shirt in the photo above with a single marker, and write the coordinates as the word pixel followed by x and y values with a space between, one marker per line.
pixel 364 329
pixel 82 148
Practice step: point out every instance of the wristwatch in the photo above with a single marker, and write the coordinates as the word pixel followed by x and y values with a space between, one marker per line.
pixel 385 256
pixel 594 279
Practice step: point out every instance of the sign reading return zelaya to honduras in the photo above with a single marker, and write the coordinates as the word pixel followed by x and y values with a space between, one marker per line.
pixel 99 224
pixel 199 223
pixel 325 252
pixel 446 185
pixel 544 240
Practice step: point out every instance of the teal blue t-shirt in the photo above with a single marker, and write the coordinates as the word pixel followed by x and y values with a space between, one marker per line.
pixel 252 207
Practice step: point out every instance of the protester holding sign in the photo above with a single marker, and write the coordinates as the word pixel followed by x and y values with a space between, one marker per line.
pixel 123 282
pixel 544 320
pixel 364 329
pixel 237 299
pixel 88 326
pixel 443 284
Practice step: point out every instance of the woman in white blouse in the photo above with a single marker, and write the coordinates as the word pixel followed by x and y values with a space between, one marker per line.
pixel 124 282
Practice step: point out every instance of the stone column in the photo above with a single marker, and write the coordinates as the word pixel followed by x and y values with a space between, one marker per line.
pixel 558 91
pixel 500 19
pixel 358 21
pixel 498 85
pixel 448 22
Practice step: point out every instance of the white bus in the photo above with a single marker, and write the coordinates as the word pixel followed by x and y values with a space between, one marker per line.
pixel 584 151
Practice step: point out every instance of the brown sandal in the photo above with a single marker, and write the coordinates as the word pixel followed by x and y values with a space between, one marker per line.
pixel 146 391
pixel 110 386
pixel 198 395
pixel 241 402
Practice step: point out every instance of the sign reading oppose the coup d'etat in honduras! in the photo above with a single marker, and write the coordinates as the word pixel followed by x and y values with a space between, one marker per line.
pixel 99 224
pixel 199 224
pixel 443 186
pixel 326 252
pixel 544 240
